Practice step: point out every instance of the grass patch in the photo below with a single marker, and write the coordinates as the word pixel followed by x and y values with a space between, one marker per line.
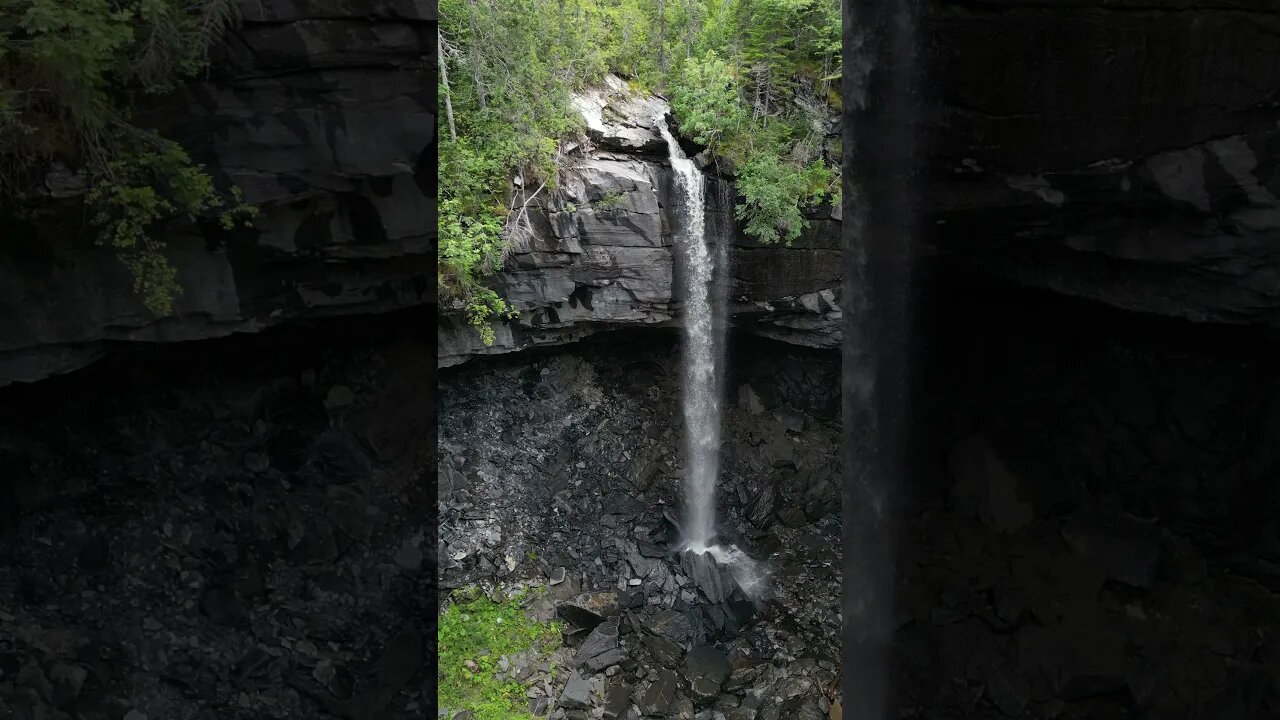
pixel 610 201
pixel 474 633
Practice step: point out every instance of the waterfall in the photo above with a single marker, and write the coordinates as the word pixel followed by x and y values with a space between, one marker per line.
pixel 703 345
pixel 704 327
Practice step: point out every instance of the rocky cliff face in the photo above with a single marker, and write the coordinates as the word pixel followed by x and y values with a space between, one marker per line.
pixel 598 254
pixel 323 113
pixel 1126 152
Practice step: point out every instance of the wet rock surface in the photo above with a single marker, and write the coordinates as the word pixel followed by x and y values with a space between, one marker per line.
pixel 152 571
pixel 550 446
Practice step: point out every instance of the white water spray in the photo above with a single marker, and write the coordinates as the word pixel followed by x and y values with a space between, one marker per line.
pixel 700 401
pixel 703 379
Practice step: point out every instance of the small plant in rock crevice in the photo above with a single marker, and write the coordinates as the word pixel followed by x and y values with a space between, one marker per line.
pixel 611 201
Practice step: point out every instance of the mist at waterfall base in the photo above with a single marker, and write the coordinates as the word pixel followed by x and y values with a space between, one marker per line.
pixel 702 383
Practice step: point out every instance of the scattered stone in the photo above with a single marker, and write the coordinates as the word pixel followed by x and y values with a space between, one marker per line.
pixel 340 396
pixel 409 556
pixel 985 489
pixel 557 576
pixel 587 610
pixel 650 550
pixel 670 624
pixel 706 668
pixel 607 659
pixel 782 452
pixel 1129 550
pixel 792 421
pixel 666 652
pixel 1009 693
pixel 659 696
pixel 762 505
pixel 256 462
pixel 577 693
pixel 617 701
pixel 602 640
pixel 802 708
pixel 714 581
pixel 645 469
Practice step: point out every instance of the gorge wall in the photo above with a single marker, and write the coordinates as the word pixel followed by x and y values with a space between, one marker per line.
pixel 1125 152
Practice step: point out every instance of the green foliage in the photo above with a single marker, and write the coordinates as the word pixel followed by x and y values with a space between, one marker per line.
pixel 774 191
pixel 706 98
pixel 67 70
pixel 143 186
pixel 474 632
pixel 512 68
pixel 770 187
pixel 753 108
pixel 611 201
pixel 745 78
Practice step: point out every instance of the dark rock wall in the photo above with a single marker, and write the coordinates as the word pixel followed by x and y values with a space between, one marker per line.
pixel 323 113
pixel 1166 420
pixel 242 533
pixel 1124 152
pixel 1090 530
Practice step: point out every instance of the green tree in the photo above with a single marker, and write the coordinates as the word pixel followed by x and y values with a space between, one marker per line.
pixel 706 99
pixel 68 69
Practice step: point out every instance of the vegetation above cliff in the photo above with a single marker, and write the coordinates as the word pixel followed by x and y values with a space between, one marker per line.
pixel 752 79
pixel 68 70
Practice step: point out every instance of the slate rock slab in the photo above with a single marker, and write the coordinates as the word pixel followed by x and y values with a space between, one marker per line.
pixel 706 667
pixel 659 697
pixel 603 639
pixel 617 701
pixel 588 610
pixel 577 693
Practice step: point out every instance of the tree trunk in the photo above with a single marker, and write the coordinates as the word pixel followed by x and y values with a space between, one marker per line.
pixel 662 35
pixel 475 62
pixel 444 80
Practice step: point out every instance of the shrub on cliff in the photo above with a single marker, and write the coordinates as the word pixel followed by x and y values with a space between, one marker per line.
pixel 507 73
pixel 67 71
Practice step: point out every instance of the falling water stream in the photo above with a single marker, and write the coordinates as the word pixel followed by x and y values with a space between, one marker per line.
pixel 702 387
pixel 700 401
